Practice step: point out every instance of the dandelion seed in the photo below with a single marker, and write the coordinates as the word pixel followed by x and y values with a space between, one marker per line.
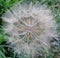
pixel 29 26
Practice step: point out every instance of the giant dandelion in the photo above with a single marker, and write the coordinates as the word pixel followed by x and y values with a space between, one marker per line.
pixel 29 28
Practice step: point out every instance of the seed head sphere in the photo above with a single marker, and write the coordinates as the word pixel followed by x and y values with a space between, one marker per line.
pixel 29 27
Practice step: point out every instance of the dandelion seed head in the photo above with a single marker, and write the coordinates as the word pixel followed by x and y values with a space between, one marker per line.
pixel 29 26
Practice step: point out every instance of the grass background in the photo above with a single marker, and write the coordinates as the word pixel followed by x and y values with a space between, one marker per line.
pixel 54 5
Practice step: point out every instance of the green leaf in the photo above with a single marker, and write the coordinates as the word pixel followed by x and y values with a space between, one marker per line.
pixel 2 38
pixel 2 55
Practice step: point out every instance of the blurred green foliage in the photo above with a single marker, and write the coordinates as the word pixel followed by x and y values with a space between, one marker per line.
pixel 2 38
pixel 4 4
pixel 2 55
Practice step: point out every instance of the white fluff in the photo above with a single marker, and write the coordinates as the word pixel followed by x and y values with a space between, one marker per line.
pixel 29 27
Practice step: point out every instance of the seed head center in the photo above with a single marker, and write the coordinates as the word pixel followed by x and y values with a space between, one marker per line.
pixel 29 29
